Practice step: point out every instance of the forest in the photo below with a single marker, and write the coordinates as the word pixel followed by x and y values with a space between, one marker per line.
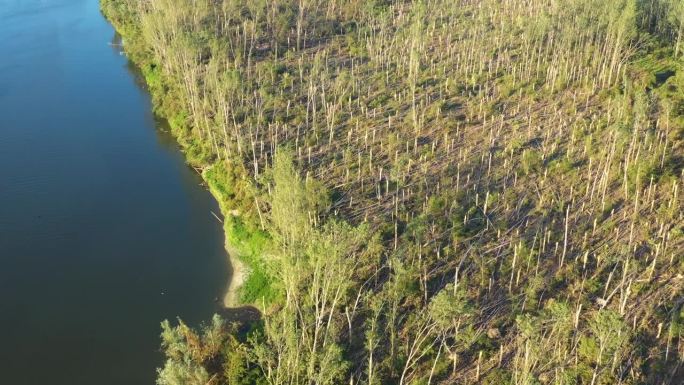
pixel 431 191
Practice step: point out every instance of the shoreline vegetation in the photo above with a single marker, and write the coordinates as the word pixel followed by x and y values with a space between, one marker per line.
pixel 430 191
pixel 244 247
pixel 242 243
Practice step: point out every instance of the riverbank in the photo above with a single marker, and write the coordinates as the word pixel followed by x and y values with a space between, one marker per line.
pixel 226 180
pixel 235 245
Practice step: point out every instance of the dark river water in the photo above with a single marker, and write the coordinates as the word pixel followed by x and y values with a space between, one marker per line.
pixel 104 231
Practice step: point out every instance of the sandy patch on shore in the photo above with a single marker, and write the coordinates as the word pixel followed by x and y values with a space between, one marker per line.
pixel 230 299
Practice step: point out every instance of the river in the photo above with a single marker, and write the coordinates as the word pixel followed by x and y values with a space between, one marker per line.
pixel 104 231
